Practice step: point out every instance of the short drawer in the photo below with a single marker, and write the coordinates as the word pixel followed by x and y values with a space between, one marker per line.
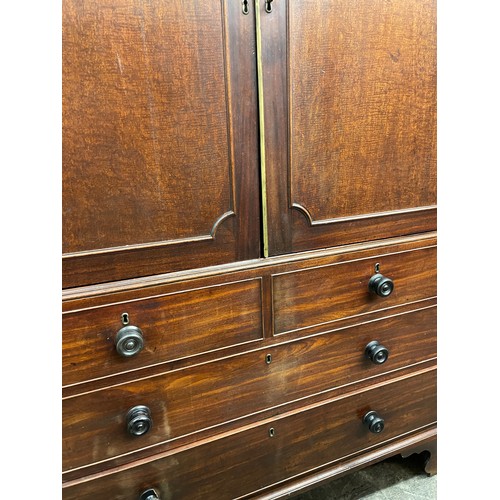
pixel 243 462
pixel 173 325
pixel 212 394
pixel 307 298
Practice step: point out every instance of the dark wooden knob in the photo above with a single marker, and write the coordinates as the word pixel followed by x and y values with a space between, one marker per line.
pixel 139 420
pixel 129 341
pixel 376 352
pixel 374 422
pixel 380 285
pixel 150 494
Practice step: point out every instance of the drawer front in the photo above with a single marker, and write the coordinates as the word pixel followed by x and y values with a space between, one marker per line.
pixel 255 458
pixel 210 394
pixel 318 296
pixel 174 325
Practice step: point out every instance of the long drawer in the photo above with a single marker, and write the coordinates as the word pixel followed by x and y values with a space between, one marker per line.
pixel 172 326
pixel 239 463
pixel 212 394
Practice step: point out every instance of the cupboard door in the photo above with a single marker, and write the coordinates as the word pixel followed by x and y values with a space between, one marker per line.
pixel 160 137
pixel 349 93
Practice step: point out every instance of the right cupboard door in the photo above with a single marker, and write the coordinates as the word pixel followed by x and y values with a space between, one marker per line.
pixel 349 114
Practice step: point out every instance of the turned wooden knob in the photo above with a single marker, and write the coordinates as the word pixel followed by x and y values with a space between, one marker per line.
pixel 381 285
pixel 374 422
pixel 376 353
pixel 139 420
pixel 129 341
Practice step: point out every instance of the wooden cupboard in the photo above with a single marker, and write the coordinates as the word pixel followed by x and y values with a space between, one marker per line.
pixel 249 243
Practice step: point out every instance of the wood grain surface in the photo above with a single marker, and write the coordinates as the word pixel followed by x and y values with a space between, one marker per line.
pixel 177 311
pixel 362 81
pixel 320 295
pixel 424 440
pixel 350 113
pixel 175 325
pixel 158 153
pixel 254 368
pixel 238 464
pixel 202 396
pixel 103 293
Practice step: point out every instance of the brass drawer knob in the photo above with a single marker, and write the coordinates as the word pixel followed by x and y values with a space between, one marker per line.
pixel 376 353
pixel 129 341
pixel 150 494
pixel 381 285
pixel 139 420
pixel 374 422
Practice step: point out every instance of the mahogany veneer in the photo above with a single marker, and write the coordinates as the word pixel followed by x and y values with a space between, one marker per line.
pixel 241 463
pixel 212 394
pixel 235 174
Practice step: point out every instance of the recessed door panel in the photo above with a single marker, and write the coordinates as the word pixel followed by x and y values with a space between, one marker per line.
pixel 355 158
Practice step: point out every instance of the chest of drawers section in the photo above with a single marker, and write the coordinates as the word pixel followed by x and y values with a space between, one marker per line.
pixel 245 463
pixel 235 364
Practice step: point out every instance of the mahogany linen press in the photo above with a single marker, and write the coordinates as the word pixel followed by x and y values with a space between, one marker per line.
pixel 249 244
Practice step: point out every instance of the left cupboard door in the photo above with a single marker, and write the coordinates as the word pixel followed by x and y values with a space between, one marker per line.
pixel 160 137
